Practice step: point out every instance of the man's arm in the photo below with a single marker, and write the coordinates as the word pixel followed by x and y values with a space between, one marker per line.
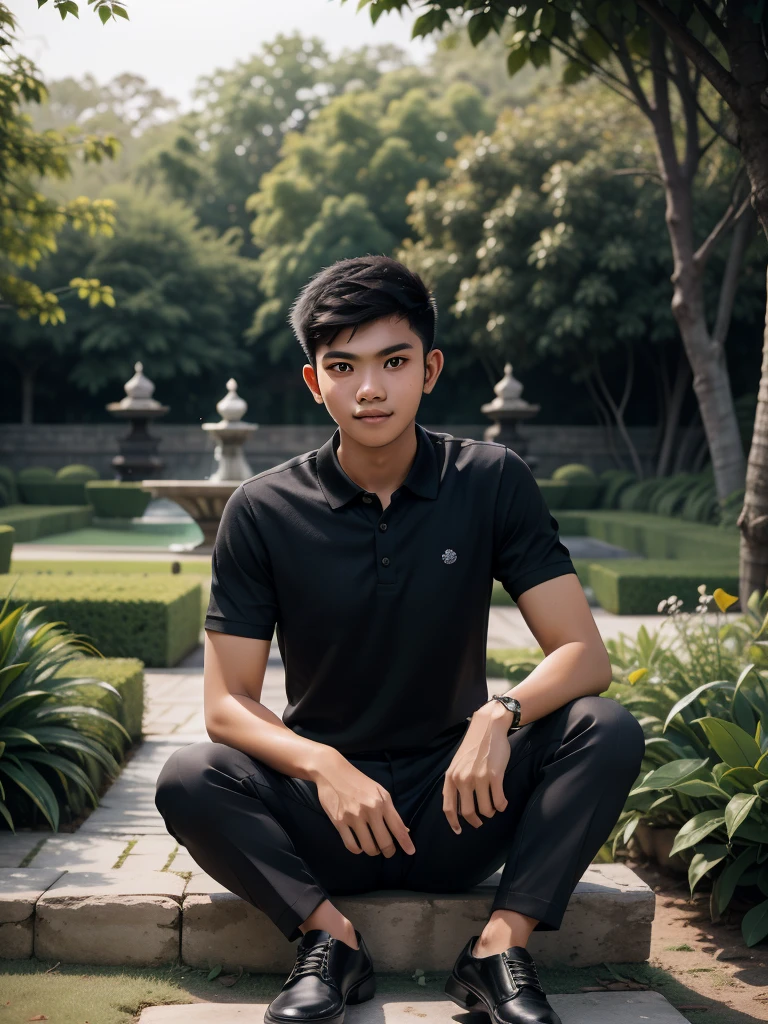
pixel 576 662
pixel 233 676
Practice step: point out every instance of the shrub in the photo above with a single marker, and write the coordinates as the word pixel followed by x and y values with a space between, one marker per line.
pixel 7 535
pixel 77 473
pixel 5 497
pixel 54 751
pixel 574 471
pixel 155 618
pixel 115 499
pixel 8 480
pixel 31 522
pixel 35 475
pixel 702 699
pixel 613 485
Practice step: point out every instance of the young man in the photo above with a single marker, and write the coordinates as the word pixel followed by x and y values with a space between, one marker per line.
pixel 375 558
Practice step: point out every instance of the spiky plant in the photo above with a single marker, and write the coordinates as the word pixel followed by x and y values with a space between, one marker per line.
pixel 43 737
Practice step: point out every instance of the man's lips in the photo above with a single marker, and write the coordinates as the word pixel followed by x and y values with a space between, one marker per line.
pixel 372 415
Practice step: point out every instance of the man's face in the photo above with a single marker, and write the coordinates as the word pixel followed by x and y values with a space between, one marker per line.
pixel 379 371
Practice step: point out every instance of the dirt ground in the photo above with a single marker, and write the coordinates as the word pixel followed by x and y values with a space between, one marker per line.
pixel 711 959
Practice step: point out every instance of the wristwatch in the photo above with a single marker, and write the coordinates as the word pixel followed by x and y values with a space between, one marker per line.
pixel 511 704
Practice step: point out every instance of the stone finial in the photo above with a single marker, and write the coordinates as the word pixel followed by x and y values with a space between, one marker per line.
pixel 232 407
pixel 508 393
pixel 138 393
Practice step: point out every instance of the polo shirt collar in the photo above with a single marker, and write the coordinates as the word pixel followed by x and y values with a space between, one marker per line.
pixel 338 488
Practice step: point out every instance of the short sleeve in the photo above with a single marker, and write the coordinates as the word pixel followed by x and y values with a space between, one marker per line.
pixel 527 545
pixel 243 600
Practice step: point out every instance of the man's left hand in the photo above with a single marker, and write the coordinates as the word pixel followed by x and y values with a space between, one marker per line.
pixel 477 768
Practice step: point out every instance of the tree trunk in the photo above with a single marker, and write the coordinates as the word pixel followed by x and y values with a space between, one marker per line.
pixel 27 394
pixel 671 414
pixel 706 355
pixel 749 67
pixel 753 520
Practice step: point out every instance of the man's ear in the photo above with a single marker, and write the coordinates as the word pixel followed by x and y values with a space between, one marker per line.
pixel 310 378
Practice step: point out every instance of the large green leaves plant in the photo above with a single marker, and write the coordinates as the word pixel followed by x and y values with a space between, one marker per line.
pixel 702 700
pixel 53 750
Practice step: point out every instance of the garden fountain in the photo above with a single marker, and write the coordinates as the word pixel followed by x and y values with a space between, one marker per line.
pixel 138 449
pixel 204 500
pixel 506 410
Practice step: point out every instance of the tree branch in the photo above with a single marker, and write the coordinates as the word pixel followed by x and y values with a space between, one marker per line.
pixel 739 242
pixel 719 77
pixel 731 215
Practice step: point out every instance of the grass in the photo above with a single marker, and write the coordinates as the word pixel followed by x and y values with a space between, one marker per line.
pixel 145 538
pixel 82 994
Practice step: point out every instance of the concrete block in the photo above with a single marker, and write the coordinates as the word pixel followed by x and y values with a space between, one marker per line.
pixel 14 847
pixel 600 1008
pixel 79 853
pixel 609 916
pixel 110 917
pixel 20 889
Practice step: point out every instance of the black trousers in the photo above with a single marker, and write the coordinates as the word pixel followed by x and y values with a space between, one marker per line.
pixel 265 836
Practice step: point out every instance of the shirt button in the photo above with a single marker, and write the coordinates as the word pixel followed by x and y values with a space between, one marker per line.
pixel 385 561
pixel 367 499
pixel 382 526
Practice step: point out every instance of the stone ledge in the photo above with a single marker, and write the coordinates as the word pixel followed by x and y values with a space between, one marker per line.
pixel 609 917
pixel 137 917
pixel 20 889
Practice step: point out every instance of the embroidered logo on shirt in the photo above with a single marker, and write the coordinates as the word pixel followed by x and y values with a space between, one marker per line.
pixel 449 556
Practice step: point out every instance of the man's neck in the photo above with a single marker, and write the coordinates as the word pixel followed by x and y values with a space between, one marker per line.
pixel 379 470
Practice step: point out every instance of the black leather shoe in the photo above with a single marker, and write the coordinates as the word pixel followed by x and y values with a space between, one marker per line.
pixel 327 975
pixel 504 985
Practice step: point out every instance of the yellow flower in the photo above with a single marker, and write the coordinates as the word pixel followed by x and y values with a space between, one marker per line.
pixel 723 600
pixel 637 674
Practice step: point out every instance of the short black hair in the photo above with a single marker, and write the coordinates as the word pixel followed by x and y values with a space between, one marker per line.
pixel 355 291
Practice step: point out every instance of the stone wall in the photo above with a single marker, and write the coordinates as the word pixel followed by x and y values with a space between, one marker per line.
pixel 188 452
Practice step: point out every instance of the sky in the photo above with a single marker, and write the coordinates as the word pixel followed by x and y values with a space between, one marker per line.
pixel 171 42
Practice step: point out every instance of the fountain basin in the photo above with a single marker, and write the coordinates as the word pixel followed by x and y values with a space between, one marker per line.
pixel 203 500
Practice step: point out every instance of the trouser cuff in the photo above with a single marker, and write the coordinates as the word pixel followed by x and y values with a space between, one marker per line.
pixel 288 922
pixel 548 914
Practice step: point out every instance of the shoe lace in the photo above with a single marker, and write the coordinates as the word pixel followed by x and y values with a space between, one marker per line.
pixel 522 972
pixel 312 960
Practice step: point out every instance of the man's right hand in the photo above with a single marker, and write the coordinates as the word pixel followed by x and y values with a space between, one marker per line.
pixel 361 810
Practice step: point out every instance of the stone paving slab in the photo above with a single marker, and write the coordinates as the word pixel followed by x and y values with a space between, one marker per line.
pixel 587 1008
pixel 72 852
pixel 20 889
pixel 110 917
pixel 609 917
pixel 14 848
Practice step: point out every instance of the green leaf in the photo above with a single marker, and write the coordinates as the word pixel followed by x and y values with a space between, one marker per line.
pixel 696 829
pixel 726 882
pixel 104 13
pixel 700 787
pixel 735 746
pixel 754 924
pixel 746 777
pixel 689 698
pixel 31 782
pixel 704 860
pixel 516 59
pixel 670 775
pixel 738 810
pixel 120 12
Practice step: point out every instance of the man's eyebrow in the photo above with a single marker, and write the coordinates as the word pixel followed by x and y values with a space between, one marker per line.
pixel 350 357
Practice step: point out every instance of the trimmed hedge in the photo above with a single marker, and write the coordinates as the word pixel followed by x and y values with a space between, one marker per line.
pixel 115 499
pixel 653 536
pixel 53 492
pixel 7 534
pixel 125 674
pixel 8 480
pixel 77 472
pixel 633 586
pixel 151 617
pixel 33 522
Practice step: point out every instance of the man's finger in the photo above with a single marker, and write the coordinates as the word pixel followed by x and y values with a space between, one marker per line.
pixel 449 805
pixel 467 801
pixel 497 793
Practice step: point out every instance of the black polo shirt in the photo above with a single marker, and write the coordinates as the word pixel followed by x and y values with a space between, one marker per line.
pixel 382 614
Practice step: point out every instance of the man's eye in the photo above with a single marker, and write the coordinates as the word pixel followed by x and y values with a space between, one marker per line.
pixel 335 366
pixel 396 357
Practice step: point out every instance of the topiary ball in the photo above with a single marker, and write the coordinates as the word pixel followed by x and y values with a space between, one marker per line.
pixel 35 475
pixel 77 473
pixel 573 471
